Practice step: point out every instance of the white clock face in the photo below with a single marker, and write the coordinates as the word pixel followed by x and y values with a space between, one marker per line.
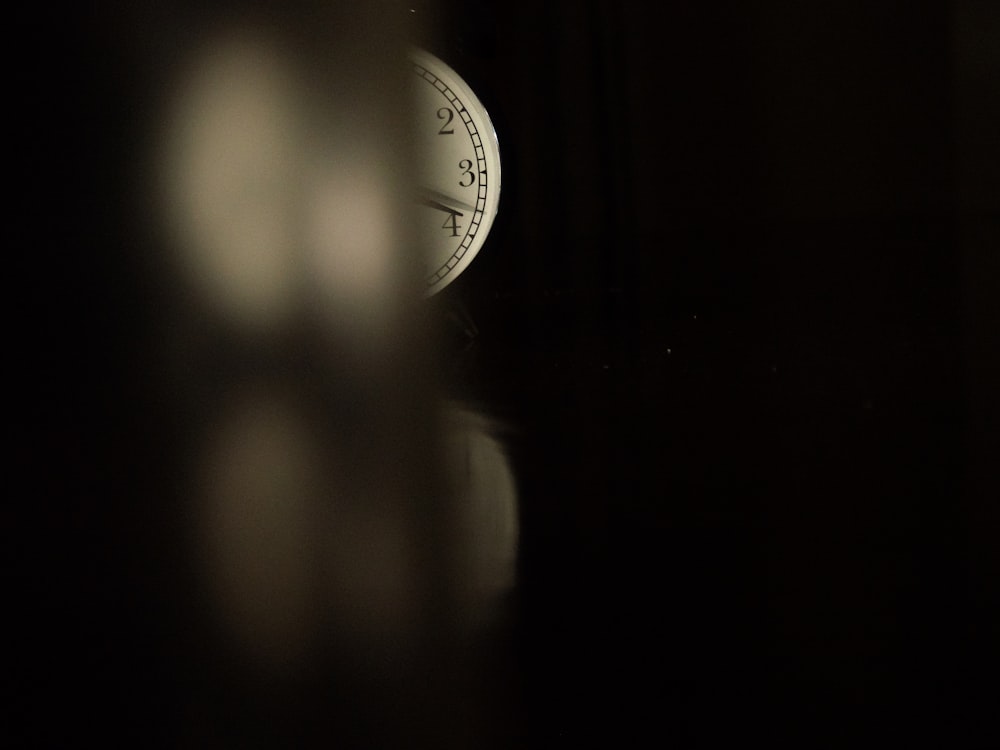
pixel 458 162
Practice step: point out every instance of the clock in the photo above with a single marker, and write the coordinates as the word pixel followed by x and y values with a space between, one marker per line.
pixel 457 167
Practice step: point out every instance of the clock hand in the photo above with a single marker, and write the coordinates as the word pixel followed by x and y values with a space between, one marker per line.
pixel 440 206
pixel 427 194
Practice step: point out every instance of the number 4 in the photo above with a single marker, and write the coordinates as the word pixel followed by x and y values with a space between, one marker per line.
pixel 452 223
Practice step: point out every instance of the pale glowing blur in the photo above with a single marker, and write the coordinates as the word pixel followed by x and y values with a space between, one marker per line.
pixel 274 202
pixel 289 540
pixel 487 496
pixel 350 234
pixel 260 496
pixel 232 164
pixel 283 210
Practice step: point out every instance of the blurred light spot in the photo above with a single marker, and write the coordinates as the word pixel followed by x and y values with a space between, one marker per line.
pixel 258 504
pixel 369 569
pixel 351 232
pixel 487 497
pixel 290 549
pixel 232 181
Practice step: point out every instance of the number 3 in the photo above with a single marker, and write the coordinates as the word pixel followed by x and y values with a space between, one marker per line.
pixel 466 166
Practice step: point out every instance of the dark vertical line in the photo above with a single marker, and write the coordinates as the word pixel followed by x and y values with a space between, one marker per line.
pixel 553 124
pixel 615 242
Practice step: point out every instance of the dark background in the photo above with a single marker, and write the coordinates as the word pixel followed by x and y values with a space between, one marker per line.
pixel 739 310
pixel 737 316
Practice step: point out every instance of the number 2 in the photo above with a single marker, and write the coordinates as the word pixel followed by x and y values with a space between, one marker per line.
pixel 447 115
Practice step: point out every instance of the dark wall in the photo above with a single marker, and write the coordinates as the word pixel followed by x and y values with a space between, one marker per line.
pixel 727 311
